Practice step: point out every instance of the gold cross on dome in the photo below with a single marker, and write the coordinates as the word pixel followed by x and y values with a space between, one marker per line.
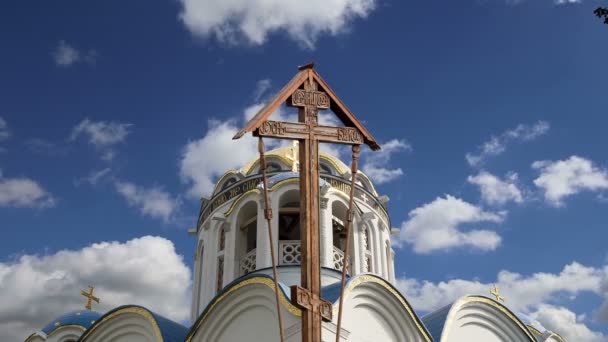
pixel 494 291
pixel 90 297
pixel 293 157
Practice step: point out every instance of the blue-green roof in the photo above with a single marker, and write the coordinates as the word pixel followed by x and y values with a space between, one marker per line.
pixel 83 318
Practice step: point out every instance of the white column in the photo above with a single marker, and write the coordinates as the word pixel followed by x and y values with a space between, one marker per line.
pixel 358 255
pixel 274 204
pixel 262 254
pixel 326 234
pixel 383 250
pixel 230 262
pixel 377 250
pixel 392 267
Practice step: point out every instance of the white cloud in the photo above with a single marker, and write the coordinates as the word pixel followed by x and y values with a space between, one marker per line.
pixel 252 21
pixel 496 191
pixel 66 55
pixel 153 202
pixel 498 144
pixel 375 164
pixel 4 132
pixel 102 134
pixel 563 178
pixel 567 323
pixel 23 193
pixel 95 176
pixel 261 88
pixel 145 271
pixel 529 296
pixel 46 148
pixel 204 160
pixel 437 226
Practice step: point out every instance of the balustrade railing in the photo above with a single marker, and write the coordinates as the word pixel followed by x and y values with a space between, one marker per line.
pixel 339 260
pixel 290 253
pixel 248 262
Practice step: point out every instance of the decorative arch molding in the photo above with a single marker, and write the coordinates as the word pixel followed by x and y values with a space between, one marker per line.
pixel 66 333
pixel 35 337
pixel 380 302
pixel 254 292
pixel 225 178
pixel 479 318
pixel 285 163
pixel 135 321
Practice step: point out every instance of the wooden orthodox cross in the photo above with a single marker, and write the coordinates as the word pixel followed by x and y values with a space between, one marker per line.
pixel 90 297
pixel 310 93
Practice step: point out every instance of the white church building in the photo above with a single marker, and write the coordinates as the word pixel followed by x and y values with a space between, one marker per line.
pixel 233 295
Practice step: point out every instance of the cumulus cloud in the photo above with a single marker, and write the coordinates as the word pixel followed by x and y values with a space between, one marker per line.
pixel 23 193
pixel 35 289
pixel 563 178
pixel 252 21
pixel 4 132
pixel 204 160
pixel 567 323
pixel 104 135
pixel 376 164
pixel 438 226
pixel 153 202
pixel 497 191
pixel 531 296
pixel 66 55
pixel 498 144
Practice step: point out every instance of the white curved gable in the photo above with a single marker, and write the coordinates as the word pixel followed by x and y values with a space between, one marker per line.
pixel 246 311
pixel 65 334
pixel 131 324
pixel 374 311
pixel 476 318
pixel 35 337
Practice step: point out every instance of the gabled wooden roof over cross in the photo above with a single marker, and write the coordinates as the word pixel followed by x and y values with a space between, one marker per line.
pixel 310 93
pixel 293 87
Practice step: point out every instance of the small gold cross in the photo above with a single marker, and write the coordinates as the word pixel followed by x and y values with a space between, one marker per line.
pixel 90 297
pixel 496 293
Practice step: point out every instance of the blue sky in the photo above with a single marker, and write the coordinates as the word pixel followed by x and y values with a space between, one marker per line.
pixel 106 107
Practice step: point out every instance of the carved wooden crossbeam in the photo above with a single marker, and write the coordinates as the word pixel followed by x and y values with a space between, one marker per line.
pixel 306 300
pixel 301 131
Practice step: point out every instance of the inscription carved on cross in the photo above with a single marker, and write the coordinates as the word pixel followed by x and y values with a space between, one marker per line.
pixel 304 92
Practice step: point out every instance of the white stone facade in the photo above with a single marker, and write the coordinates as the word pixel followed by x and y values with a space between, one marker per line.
pixel 370 246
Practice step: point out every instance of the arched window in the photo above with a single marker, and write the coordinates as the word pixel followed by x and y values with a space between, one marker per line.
pixel 228 183
pixel 222 240
pixel 290 252
pixel 367 264
pixel 339 211
pixel 246 238
pixel 200 273
pixel 220 259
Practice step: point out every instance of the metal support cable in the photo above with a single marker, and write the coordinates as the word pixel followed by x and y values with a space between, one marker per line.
pixel 349 221
pixel 268 216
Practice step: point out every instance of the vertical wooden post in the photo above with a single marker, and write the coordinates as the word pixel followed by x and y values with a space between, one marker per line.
pixel 309 224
